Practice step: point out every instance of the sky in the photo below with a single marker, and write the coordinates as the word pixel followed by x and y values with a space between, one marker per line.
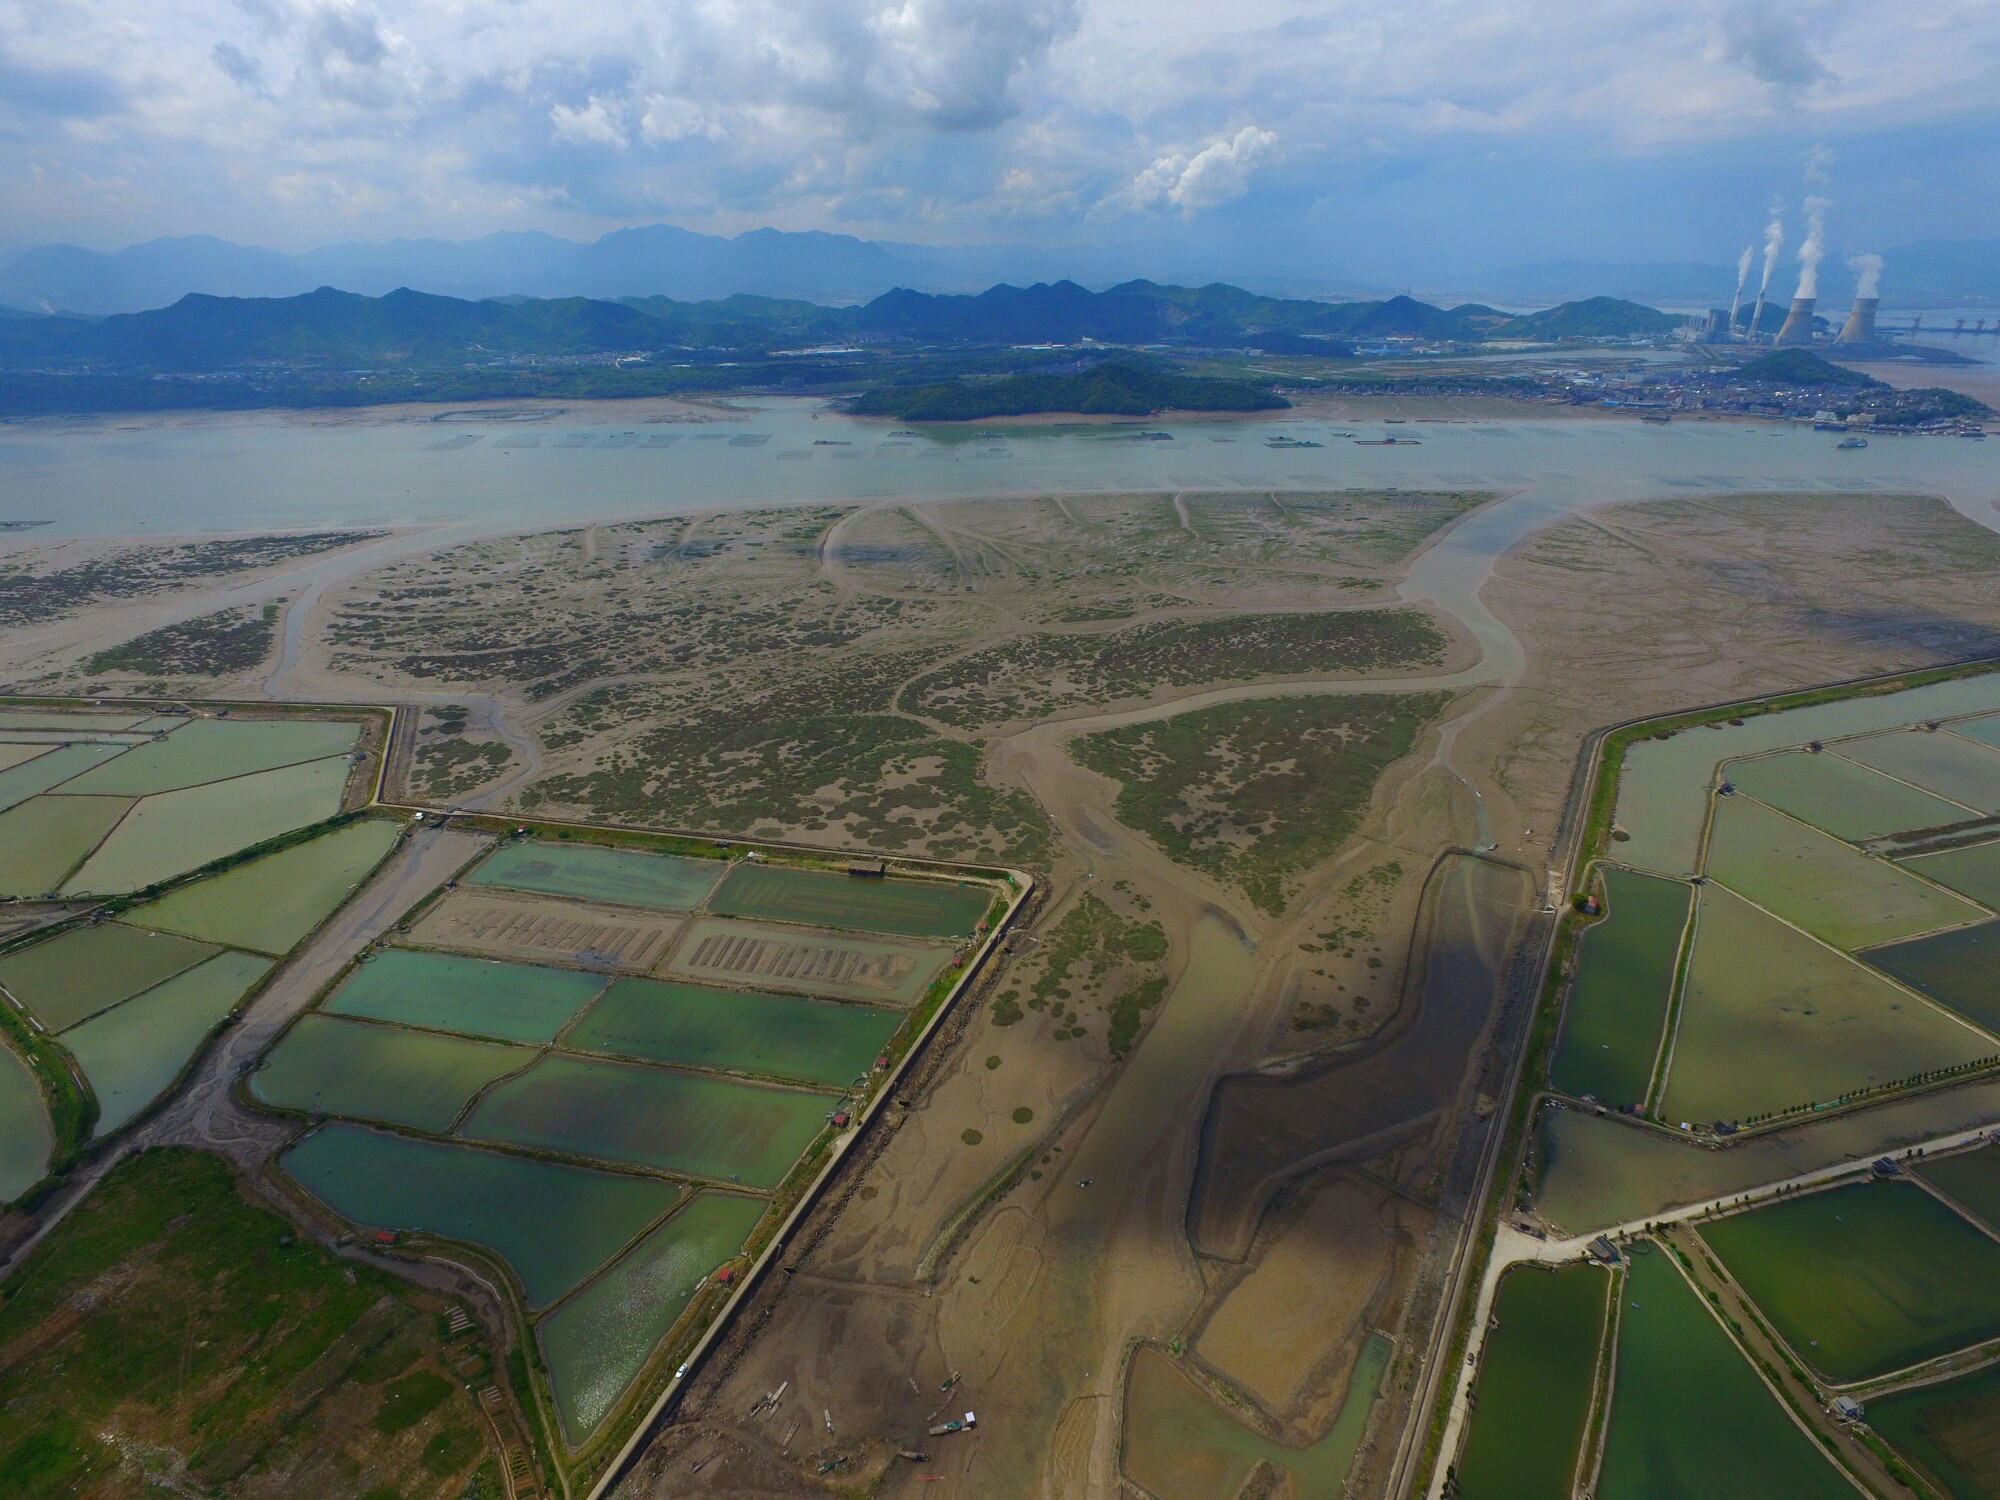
pixel 1398 139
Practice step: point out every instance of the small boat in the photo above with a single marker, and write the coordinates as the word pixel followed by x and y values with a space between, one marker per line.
pixel 1852 442
pixel 1388 442
pixel 1290 442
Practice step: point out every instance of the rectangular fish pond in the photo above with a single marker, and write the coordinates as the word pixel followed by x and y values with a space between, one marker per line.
pixel 1624 981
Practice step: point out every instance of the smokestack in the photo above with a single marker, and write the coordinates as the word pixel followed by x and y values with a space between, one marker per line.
pixel 1774 242
pixel 1798 327
pixel 1735 302
pixel 1860 326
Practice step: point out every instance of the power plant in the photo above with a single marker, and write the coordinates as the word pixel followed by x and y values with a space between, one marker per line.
pixel 1860 325
pixel 1798 327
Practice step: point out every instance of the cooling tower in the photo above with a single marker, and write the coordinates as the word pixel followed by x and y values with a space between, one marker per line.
pixel 1798 327
pixel 1860 326
pixel 1716 329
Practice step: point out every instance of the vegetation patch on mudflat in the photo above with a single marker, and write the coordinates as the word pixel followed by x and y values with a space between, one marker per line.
pixel 1253 793
pixel 1041 675
pixel 170 1336
pixel 29 593
pixel 1098 957
pixel 235 640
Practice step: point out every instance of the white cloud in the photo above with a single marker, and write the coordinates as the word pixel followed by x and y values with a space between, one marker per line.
pixel 594 124
pixel 1208 178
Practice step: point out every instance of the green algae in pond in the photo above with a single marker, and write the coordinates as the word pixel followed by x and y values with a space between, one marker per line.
pixel 326 1065
pixel 1948 1430
pixel 272 902
pixel 598 1341
pixel 625 876
pixel 1181 1446
pixel 906 908
pixel 132 1051
pixel 45 838
pixel 1865 1279
pixel 25 1136
pixel 1690 1420
pixel 202 750
pixel 503 1202
pixel 1625 976
pixel 1535 1384
pixel 76 974
pixel 476 996
pixel 810 1041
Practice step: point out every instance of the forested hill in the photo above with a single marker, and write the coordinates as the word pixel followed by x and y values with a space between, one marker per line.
pixel 1111 389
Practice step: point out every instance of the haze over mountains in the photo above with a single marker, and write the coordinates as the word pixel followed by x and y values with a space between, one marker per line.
pixel 663 260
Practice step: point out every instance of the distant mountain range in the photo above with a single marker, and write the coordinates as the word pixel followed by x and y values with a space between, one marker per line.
pixel 329 331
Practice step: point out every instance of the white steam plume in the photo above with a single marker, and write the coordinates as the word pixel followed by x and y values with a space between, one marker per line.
pixel 1742 280
pixel 1868 273
pixel 1774 244
pixel 1813 250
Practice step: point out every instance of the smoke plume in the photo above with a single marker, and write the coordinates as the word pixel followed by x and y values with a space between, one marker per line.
pixel 1813 251
pixel 1774 245
pixel 1743 268
pixel 1868 275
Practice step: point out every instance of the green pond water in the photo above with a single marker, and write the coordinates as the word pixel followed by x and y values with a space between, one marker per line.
pixel 202 750
pixel 44 838
pixel 1971 1179
pixel 39 718
pixel 1663 789
pixel 1597 1173
pixel 12 753
pixel 1951 1430
pixel 1972 871
pixel 1182 1446
pixel 77 973
pixel 1618 1004
pixel 696 1123
pixel 1831 889
pixel 906 908
pixel 809 1041
pixel 25 1137
pixel 1985 729
pixel 1955 968
pixel 1535 1382
pixel 476 996
pixel 19 783
pixel 624 876
pixel 417 1078
pixel 133 1051
pixel 270 903
pixel 509 1204
pixel 598 1341
pixel 1690 1420
pixel 1865 1279
pixel 174 832
pixel 1840 795
pixel 852 965
pixel 1948 764
pixel 1771 1019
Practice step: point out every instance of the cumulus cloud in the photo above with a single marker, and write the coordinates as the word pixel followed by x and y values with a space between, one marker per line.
pixel 1774 42
pixel 596 123
pixel 1206 178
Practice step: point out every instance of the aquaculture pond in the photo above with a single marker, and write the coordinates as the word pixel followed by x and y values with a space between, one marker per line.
pixel 477 996
pixel 906 908
pixel 809 1041
pixel 1624 980
pixel 1535 1383
pixel 1181 1446
pixel 75 974
pixel 598 1340
pixel 1662 790
pixel 1690 1420
pixel 1840 795
pixel 506 1203
pixel 1973 871
pixel 326 1065
pixel 170 833
pixel 1771 1020
pixel 1955 968
pixel 1949 764
pixel 1865 1279
pixel 42 840
pixel 205 750
pixel 624 876
pixel 268 904
pixel 30 778
pixel 1971 1179
pixel 130 1053
pixel 697 1123
pixel 1950 1430
pixel 25 1137
pixel 1830 889
pixel 1594 1173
